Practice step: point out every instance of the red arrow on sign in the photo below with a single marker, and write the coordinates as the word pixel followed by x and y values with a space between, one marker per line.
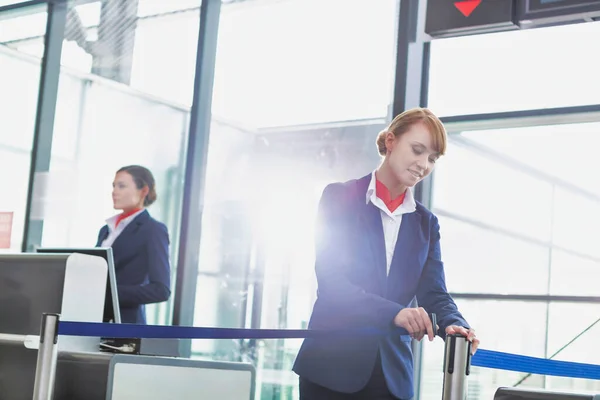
pixel 466 7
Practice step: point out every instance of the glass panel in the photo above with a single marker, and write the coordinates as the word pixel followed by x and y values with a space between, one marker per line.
pixel 19 81
pixel 513 201
pixel 566 322
pixel 481 260
pixel 123 99
pixel 528 210
pixel 516 70
pixel 24 30
pixel 536 148
pixel 574 215
pixel 222 298
pixel 490 319
pixel 574 275
pixel 9 2
pixel 271 76
pixel 328 101
pixel 527 227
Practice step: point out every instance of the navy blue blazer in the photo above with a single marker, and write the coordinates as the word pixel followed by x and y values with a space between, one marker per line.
pixel 354 291
pixel 141 254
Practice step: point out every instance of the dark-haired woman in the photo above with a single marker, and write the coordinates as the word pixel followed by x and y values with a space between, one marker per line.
pixel 140 244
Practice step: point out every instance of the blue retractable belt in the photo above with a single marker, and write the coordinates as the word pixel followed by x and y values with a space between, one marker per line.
pixel 483 358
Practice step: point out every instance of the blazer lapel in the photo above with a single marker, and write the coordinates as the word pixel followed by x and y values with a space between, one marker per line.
pixel 406 266
pixel 370 217
pixel 374 230
pixel 130 230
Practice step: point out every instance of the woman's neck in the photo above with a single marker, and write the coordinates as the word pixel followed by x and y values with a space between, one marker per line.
pixel 385 176
pixel 130 211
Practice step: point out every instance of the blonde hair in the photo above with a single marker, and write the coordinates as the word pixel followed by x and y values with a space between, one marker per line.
pixel 403 122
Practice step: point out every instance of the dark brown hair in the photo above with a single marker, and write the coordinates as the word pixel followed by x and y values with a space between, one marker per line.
pixel 142 177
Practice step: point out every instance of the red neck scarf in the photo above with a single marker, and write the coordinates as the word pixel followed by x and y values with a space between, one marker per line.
pixel 124 215
pixel 384 194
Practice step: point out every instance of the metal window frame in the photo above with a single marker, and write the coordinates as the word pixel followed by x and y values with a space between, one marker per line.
pixel 22 6
pixel 196 160
pixel 33 3
pixel 46 110
pixel 410 90
pixel 195 172
pixel 523 118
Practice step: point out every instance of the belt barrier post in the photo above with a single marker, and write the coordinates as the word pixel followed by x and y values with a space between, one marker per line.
pixel 45 370
pixel 457 365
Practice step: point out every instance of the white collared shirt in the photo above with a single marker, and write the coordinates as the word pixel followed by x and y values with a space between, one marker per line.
pixel 391 220
pixel 115 231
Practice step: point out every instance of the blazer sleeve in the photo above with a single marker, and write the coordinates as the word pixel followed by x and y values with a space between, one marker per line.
pixel 158 288
pixel 101 235
pixel 432 293
pixel 345 302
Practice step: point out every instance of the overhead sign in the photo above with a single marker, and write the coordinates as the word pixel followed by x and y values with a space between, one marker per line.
pixel 6 220
pixel 549 12
pixel 539 5
pixel 447 18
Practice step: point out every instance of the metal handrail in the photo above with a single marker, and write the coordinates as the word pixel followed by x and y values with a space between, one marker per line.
pixel 29 341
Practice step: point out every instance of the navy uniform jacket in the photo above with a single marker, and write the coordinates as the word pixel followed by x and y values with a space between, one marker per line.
pixel 142 268
pixel 354 291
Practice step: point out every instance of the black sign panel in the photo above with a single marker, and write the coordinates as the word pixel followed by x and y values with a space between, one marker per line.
pixel 545 12
pixel 539 5
pixel 447 18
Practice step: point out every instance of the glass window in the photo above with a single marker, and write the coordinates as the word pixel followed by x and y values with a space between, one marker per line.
pixel 24 30
pixel 574 275
pixel 577 323
pixel 529 209
pixel 19 81
pixel 9 2
pixel 488 317
pixel 287 73
pixel 513 200
pixel 518 70
pixel 481 260
pixel 517 209
pixel 123 99
pixel 295 107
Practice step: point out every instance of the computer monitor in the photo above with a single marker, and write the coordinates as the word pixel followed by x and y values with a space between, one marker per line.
pixel 111 301
pixel 24 297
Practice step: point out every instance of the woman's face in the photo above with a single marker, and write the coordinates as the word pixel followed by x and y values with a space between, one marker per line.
pixel 126 196
pixel 411 156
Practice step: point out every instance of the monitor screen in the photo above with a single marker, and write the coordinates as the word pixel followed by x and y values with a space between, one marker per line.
pixel 24 297
pixel 111 302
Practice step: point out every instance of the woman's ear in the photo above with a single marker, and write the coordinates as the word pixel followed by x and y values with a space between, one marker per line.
pixel 144 191
pixel 390 140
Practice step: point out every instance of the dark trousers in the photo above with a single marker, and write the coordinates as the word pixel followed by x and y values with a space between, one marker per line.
pixel 376 389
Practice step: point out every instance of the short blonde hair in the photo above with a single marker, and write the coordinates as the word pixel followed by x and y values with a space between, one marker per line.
pixel 403 122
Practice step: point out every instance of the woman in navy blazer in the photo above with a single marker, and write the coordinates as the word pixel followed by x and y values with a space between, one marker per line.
pixel 377 252
pixel 140 244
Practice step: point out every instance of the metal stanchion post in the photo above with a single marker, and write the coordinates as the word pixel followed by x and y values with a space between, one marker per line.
pixel 46 360
pixel 457 364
